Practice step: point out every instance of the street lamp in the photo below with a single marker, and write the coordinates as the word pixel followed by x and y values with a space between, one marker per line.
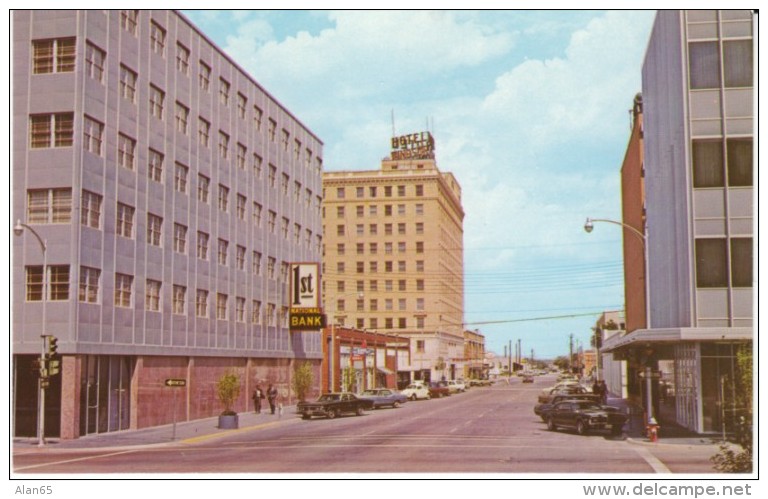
pixel 588 227
pixel 331 350
pixel 18 230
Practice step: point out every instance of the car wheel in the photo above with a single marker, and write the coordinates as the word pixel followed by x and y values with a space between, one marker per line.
pixel 429 396
pixel 395 404
pixel 551 424
pixel 581 428
pixel 306 416
pixel 332 413
pixel 413 397
pixel 616 429
pixel 360 411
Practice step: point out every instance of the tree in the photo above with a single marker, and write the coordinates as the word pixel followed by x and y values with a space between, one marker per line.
pixel 731 459
pixel 227 390
pixel 561 362
pixel 303 378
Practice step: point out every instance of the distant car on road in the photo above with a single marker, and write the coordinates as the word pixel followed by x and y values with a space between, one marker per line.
pixel 331 405
pixel 439 389
pixel 383 397
pixel 455 387
pixel 416 391
pixel 585 416
pixel 527 378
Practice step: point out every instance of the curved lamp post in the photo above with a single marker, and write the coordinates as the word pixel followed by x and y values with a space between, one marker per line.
pixel 18 230
pixel 588 227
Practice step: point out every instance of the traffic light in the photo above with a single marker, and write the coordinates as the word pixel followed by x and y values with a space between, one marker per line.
pixel 52 345
pixel 53 367
pixel 39 368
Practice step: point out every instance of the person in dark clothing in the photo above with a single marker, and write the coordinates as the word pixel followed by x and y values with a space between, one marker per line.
pixel 258 394
pixel 603 392
pixel 272 397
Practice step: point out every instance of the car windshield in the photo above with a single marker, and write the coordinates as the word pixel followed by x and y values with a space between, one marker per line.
pixel 587 405
pixel 329 397
pixel 372 392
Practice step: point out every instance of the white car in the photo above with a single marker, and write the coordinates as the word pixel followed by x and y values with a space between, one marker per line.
pixel 456 386
pixel 416 391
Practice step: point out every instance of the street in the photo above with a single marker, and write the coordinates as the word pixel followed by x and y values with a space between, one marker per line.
pixel 484 430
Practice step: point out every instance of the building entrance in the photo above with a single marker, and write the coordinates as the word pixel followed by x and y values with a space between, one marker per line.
pixel 105 402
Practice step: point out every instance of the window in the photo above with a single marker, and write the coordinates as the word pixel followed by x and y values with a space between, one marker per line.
pixel 707 161
pixel 241 154
pixel 124 220
pixel 155 165
pixel 202 245
pixel 401 190
pixel 157 38
pixel 272 216
pixel 51 130
pixel 89 285
pixel 738 63
pixel 741 262
pixel 152 301
pixel 401 209
pixel 711 265
pixel 179 299
pixel 240 208
pixel 284 183
pixel 129 20
pixel 203 132
pixel 240 257
pixel 49 206
pixel 272 129
pixel 182 117
pixel 401 304
pixel 224 91
pixel 272 175
pixel 372 192
pixel 340 194
pixel 204 78
pixel 94 61
pixel 180 174
pixel 123 290
pixel 53 56
pixel 419 247
pixel 223 145
pixel 203 186
pixel 242 102
pixel 256 312
pixel 256 263
pixel 90 209
pixel 126 151
pixel 256 214
pixel 34 282
pixel 419 227
pixel 419 209
pixel 240 309
pixel 419 190
pixel 257 116
pixel 401 229
pixel 156 102
pixel 223 251
pixel 223 198
pixel 179 238
pixel 740 165
pixel 221 306
pixel 201 303
pixel 402 323
pixel 284 138
pixel 271 267
pixel 257 165
pixel 182 59
pixel 154 230
pixel 59 279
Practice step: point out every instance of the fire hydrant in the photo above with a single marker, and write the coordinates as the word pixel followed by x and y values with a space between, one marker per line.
pixel 652 430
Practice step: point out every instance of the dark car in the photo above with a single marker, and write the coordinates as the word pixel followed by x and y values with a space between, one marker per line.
pixel 548 395
pixel 542 409
pixel 438 389
pixel 584 416
pixel 331 405
pixel 528 378
pixel 383 397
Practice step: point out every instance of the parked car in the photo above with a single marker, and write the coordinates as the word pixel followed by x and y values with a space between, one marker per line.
pixel 455 387
pixel 416 391
pixel 585 416
pixel 331 405
pixel 528 378
pixel 547 395
pixel 439 389
pixel 383 397
pixel 542 409
pixel 480 382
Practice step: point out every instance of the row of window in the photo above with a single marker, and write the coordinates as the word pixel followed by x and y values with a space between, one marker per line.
pixel 373 210
pixel 373 285
pixel 373 248
pixel 389 305
pixel 418 190
pixel 388 323
pixel 373 267
pixel 58 282
pixel 718 162
pixel 721 262
pixel 373 229
pixel 707 61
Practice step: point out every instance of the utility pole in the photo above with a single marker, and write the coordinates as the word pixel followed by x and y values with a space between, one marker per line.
pixel 570 357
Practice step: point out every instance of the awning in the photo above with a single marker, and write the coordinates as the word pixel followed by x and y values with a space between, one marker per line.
pixel 385 370
pixel 676 335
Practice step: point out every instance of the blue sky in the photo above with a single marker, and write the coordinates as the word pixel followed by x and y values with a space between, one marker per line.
pixel 530 112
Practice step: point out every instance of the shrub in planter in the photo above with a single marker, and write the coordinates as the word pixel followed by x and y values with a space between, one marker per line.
pixel 227 390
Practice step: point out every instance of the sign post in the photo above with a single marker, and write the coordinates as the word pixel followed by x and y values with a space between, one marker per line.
pixel 175 383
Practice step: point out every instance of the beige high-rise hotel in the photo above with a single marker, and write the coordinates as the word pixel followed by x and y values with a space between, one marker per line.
pixel 393 255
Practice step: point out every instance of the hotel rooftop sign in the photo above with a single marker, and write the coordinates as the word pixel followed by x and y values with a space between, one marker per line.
pixel 418 145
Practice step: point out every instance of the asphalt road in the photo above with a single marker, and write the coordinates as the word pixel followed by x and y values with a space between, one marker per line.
pixel 484 430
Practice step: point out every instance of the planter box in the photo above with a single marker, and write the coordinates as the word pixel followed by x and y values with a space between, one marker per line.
pixel 228 421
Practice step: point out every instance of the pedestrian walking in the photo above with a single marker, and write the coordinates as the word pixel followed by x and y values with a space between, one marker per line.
pixel 272 397
pixel 258 394
pixel 603 392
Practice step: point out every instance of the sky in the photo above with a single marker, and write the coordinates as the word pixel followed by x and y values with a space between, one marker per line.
pixel 530 111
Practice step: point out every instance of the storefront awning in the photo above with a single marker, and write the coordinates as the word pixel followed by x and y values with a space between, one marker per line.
pixel 385 370
pixel 676 335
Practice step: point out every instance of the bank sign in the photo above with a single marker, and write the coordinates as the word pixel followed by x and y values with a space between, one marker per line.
pixel 305 312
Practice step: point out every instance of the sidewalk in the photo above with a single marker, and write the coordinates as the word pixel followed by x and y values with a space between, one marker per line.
pixel 669 431
pixel 185 432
